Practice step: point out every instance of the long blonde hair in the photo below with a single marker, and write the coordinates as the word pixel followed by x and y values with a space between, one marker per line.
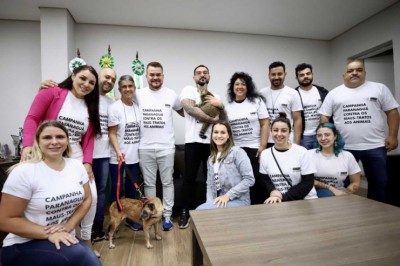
pixel 227 146
pixel 37 154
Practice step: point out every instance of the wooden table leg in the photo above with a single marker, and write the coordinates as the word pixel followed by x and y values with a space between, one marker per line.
pixel 197 255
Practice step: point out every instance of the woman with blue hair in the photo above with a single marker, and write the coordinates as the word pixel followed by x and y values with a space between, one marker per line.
pixel 333 164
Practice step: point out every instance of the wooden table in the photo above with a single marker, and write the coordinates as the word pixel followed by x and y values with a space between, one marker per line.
pixel 344 230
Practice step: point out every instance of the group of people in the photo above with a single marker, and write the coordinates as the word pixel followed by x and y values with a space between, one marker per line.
pixel 270 148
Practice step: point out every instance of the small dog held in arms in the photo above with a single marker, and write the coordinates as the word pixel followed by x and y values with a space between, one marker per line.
pixel 147 213
pixel 208 109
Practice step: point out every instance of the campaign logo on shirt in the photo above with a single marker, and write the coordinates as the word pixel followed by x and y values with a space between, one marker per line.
pixel 284 105
pixel 296 169
pixel 253 113
pixel 373 99
pixel 167 105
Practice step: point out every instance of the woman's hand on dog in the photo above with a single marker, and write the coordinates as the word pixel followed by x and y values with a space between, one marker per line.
pixel 221 201
pixel 62 237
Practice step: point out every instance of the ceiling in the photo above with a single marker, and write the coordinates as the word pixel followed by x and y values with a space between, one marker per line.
pixel 310 19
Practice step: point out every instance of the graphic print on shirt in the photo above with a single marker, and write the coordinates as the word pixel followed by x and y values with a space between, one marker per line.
pixel 131 135
pixel 357 113
pixel 241 126
pixel 280 182
pixel 154 118
pixel 60 207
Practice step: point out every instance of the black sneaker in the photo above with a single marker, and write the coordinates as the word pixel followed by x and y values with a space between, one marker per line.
pixel 97 232
pixel 184 219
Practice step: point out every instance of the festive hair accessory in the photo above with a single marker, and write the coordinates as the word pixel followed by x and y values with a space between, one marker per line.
pixel 137 66
pixel 107 61
pixel 76 62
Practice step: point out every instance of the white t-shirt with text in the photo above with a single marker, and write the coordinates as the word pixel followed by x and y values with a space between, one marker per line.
pixel 357 113
pixel 244 119
pixel 127 118
pixel 53 195
pixel 156 107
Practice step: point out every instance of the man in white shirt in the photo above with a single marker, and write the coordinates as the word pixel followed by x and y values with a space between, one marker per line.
pixel 311 97
pixel 101 152
pixel 356 107
pixel 197 149
pixel 281 98
pixel 157 140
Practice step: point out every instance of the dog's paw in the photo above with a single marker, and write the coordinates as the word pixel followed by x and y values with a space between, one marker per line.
pixel 148 245
pixel 158 237
pixel 111 246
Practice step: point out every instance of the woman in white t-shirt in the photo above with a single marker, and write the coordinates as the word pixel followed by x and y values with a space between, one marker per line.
pixel 333 164
pixel 288 172
pixel 75 103
pixel 123 131
pixel 249 120
pixel 43 200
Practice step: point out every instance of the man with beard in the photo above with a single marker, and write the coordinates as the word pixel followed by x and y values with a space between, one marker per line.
pixel 281 98
pixel 312 97
pixel 356 107
pixel 197 149
pixel 101 151
pixel 157 139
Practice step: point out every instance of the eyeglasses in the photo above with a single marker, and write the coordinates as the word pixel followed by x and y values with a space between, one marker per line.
pixel 198 73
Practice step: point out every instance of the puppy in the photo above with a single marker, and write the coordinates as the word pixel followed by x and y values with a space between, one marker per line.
pixel 148 213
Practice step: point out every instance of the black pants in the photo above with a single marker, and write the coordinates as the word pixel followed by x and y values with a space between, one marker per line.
pixel 258 192
pixel 196 154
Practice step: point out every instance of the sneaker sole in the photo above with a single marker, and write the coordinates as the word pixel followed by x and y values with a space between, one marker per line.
pixel 185 225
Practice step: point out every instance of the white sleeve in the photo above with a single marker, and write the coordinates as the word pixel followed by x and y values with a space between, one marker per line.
pixel 352 165
pixel 327 106
pixel 296 102
pixel 186 93
pixel 19 183
pixel 264 162
pixel 262 109
pixel 388 101
pixel 114 117
pixel 177 103
pixel 307 164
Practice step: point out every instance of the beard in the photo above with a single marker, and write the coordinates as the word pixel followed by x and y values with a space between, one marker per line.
pixel 306 82
pixel 202 82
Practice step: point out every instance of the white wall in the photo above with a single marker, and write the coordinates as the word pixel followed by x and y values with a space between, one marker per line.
pixel 19 74
pixel 180 51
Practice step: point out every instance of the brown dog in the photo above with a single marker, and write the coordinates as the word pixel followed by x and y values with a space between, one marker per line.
pixel 148 213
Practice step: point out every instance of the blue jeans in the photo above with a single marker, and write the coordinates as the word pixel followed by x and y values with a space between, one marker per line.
pixel 375 169
pixel 323 193
pixel 232 203
pixel 43 252
pixel 129 188
pixel 101 169
pixel 308 142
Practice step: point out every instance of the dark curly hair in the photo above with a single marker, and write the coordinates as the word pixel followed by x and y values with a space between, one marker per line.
pixel 252 93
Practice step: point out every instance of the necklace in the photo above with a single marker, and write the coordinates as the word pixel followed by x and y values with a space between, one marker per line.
pixel 274 101
pixel 126 119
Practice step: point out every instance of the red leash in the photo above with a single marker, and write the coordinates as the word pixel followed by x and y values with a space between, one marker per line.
pixel 129 175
